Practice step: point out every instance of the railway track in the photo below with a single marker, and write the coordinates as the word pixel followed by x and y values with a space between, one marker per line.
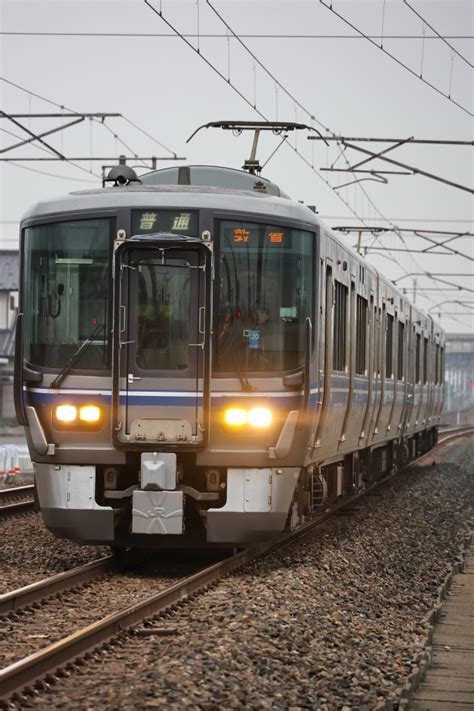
pixel 43 589
pixel 17 499
pixel 451 433
pixel 47 661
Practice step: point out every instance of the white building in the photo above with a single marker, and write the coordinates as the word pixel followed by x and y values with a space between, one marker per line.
pixel 9 282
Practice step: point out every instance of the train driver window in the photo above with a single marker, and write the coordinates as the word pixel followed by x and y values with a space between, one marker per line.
pixel 265 294
pixel 67 293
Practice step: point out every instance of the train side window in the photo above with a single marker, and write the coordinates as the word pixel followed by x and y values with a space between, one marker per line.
pixel 437 364
pixel 339 359
pixel 441 365
pixel 401 349
pixel 389 348
pixel 417 358
pixel 425 361
pixel 361 335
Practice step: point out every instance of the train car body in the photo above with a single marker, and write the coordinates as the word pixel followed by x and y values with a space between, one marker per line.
pixel 200 360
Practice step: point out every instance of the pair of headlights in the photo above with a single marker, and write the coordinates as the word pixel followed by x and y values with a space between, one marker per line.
pixel 259 418
pixel 85 414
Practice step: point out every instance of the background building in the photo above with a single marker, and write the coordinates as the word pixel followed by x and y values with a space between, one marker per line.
pixel 459 395
pixel 9 266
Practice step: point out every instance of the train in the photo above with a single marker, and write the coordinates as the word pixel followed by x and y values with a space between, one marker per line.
pixel 202 361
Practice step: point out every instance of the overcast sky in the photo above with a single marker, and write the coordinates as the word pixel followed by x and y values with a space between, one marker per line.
pixel 59 52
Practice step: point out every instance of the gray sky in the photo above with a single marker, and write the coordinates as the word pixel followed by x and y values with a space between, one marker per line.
pixel 164 87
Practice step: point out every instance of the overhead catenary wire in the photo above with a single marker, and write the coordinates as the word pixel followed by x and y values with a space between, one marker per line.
pixel 266 70
pixel 438 220
pixel 438 35
pixel 41 172
pixel 53 175
pixel 297 103
pixel 59 155
pixel 159 13
pixel 395 59
pixel 63 108
pixel 148 135
pixel 228 81
pixel 310 114
pixel 217 35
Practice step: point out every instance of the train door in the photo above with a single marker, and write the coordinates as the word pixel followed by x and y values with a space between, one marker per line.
pixel 380 356
pixel 161 355
pixel 409 376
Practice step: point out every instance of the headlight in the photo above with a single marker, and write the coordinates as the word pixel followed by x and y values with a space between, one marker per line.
pixel 66 413
pixel 260 417
pixel 235 417
pixel 90 413
pixel 71 418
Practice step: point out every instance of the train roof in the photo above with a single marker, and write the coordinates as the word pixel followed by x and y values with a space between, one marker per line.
pixel 215 176
pixel 190 196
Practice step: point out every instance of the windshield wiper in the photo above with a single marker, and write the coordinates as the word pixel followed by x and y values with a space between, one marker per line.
pixel 75 357
pixel 244 383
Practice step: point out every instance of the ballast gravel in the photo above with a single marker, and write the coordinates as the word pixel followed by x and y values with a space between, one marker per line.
pixel 27 630
pixel 334 621
pixel 29 552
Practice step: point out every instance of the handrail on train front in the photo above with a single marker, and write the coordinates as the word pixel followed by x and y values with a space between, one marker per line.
pixel 307 363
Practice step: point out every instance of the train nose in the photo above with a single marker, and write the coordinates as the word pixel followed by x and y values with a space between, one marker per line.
pixel 66 495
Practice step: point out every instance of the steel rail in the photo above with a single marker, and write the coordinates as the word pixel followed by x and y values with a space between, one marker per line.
pixel 42 589
pixel 48 660
pixel 453 434
pixel 447 429
pixel 16 508
pixel 16 491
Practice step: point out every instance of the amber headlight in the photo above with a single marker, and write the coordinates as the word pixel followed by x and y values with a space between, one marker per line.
pixel 66 413
pixel 235 417
pixel 256 418
pixel 90 413
pixel 260 417
pixel 83 417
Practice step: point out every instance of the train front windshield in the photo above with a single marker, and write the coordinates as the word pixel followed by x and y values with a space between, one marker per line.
pixel 66 293
pixel 265 295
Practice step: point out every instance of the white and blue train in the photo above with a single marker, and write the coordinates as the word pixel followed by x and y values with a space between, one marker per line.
pixel 200 360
